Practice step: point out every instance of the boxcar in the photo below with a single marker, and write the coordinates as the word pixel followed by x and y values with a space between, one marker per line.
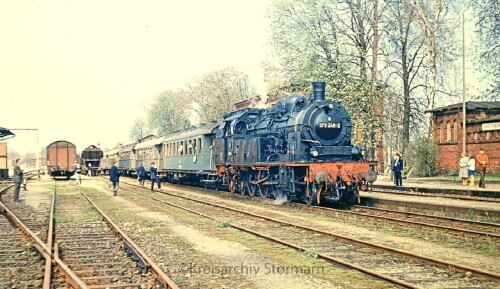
pixel 4 170
pixel 61 159
pixel 92 155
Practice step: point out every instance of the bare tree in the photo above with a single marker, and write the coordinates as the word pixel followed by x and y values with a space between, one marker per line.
pixel 405 57
pixel 215 93
pixel 430 17
pixel 139 130
pixel 488 25
pixel 167 113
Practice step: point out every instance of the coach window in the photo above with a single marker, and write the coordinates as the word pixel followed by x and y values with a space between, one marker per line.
pixel 181 148
pixel 199 146
pixel 190 147
pixel 193 143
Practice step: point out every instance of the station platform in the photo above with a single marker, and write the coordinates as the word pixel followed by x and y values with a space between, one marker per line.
pixel 422 184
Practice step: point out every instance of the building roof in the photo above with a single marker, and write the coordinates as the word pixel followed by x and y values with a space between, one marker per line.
pixel 470 105
pixel 5 133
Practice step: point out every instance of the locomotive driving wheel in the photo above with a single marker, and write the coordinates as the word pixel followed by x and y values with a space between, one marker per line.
pixel 254 189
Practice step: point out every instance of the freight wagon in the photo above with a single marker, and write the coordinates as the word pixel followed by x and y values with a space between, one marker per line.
pixel 61 159
pixel 4 170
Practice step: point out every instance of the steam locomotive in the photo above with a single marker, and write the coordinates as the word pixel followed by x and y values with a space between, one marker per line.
pixel 298 150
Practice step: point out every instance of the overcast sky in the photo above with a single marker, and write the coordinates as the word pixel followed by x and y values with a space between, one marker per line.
pixel 82 71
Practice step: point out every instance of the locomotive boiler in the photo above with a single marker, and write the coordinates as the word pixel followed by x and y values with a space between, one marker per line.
pixel 299 149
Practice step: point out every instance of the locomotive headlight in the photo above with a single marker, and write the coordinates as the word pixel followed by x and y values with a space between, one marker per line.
pixel 330 106
pixel 314 153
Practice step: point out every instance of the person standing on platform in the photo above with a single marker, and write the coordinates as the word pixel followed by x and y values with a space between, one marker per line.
pixel 141 174
pixel 154 176
pixel 398 169
pixel 471 166
pixel 463 163
pixel 114 177
pixel 17 178
pixel 78 174
pixel 482 162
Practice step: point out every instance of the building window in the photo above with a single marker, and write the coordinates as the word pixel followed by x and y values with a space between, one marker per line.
pixel 476 135
pixel 488 135
pixel 455 130
pixel 441 132
pixel 448 131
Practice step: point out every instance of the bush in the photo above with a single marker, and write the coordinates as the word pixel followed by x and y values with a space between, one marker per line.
pixel 421 156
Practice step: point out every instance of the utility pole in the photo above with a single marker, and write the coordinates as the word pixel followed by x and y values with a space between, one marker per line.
pixel 464 110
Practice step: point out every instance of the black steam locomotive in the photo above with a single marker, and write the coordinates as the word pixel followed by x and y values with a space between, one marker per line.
pixel 297 149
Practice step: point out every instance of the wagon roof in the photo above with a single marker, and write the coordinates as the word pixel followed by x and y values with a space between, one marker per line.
pixel 92 148
pixel 148 143
pixel 69 144
pixel 197 131
pixel 126 148
pixel 111 152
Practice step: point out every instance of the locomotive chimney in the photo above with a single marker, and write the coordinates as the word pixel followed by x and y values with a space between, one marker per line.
pixel 318 91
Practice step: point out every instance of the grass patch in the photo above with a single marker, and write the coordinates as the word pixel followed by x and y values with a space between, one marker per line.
pixel 309 254
pixel 223 225
pixel 178 280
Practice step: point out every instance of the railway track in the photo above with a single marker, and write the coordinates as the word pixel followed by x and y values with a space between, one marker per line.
pixel 488 214
pixel 468 195
pixel 97 251
pixel 89 250
pixel 27 259
pixel 393 265
pixel 484 231
pixel 21 264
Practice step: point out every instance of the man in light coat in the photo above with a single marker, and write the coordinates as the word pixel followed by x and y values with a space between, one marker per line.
pixel 17 178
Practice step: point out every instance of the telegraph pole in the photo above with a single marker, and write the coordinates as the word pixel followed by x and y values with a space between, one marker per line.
pixel 464 110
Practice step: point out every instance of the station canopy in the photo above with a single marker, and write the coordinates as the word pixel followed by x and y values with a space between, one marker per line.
pixel 5 133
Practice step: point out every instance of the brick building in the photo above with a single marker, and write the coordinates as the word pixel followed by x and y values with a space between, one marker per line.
pixel 483 131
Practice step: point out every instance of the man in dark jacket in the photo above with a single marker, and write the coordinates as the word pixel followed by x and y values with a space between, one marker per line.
pixel 398 169
pixel 141 174
pixel 114 177
pixel 17 178
pixel 154 176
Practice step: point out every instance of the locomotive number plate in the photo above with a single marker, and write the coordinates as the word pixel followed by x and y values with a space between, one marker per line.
pixel 329 125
